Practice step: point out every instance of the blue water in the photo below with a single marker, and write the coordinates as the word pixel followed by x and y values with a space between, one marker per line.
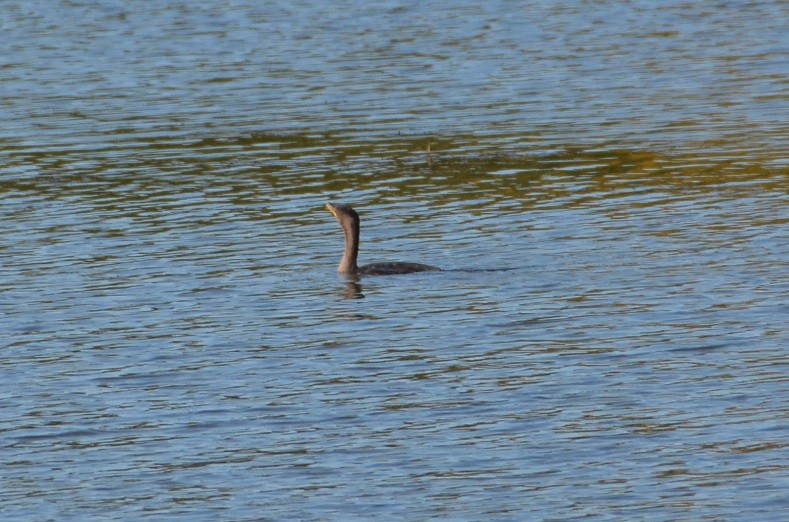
pixel 605 186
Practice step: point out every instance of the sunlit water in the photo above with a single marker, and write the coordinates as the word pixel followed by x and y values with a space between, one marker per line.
pixel 605 187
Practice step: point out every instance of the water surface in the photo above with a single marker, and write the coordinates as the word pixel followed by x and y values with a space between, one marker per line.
pixel 605 187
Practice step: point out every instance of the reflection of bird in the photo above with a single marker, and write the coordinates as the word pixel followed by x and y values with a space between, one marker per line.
pixel 349 221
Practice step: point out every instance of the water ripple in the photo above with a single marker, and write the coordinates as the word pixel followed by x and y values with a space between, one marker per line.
pixel 606 190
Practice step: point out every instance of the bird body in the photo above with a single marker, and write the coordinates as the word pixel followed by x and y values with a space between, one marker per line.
pixel 348 219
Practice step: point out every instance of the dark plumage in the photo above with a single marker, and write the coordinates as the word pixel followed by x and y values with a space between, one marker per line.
pixel 349 221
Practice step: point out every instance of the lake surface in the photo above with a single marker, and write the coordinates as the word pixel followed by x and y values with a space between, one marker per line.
pixel 604 183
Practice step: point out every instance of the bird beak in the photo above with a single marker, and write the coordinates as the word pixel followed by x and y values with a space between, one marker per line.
pixel 330 208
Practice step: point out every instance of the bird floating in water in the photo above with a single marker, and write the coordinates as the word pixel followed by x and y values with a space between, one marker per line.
pixel 349 221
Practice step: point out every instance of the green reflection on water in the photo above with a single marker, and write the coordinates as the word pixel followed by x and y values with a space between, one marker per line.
pixel 259 166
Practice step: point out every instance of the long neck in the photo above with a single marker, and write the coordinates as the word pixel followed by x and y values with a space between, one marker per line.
pixel 348 262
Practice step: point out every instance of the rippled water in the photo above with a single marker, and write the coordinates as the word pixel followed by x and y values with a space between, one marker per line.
pixel 605 185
